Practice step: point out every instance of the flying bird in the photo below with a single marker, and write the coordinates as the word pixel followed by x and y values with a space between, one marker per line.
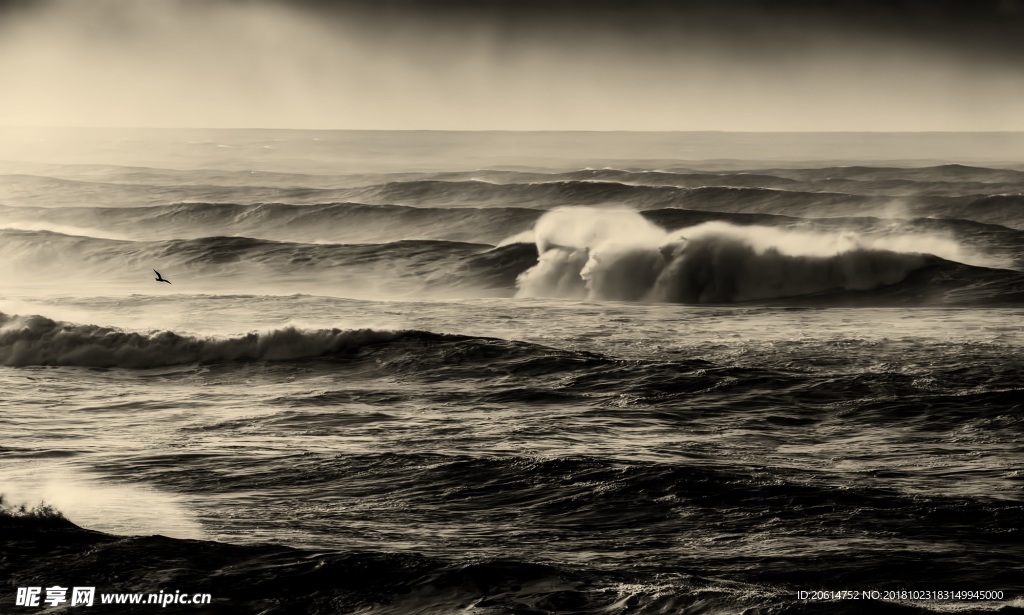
pixel 160 278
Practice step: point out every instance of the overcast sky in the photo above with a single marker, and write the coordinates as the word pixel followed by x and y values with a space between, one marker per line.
pixel 744 65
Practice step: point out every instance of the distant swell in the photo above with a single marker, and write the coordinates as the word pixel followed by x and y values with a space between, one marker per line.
pixel 398 268
pixel 317 223
pixel 37 340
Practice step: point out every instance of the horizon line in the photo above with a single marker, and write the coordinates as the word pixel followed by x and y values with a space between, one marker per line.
pixel 506 130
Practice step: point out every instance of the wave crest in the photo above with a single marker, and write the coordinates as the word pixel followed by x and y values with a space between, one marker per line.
pixel 619 255
pixel 37 340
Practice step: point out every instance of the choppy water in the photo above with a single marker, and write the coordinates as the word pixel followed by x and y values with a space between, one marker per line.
pixel 443 378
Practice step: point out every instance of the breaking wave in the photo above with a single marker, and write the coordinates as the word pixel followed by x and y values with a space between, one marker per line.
pixel 619 255
pixel 580 253
pixel 37 340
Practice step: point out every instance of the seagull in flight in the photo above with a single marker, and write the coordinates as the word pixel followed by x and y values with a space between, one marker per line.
pixel 160 278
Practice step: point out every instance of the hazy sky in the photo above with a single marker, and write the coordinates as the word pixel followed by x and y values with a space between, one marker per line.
pixel 515 65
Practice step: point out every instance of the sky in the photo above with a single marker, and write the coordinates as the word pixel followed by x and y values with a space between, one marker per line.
pixel 729 65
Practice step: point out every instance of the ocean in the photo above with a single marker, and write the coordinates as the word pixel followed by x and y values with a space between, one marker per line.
pixel 442 372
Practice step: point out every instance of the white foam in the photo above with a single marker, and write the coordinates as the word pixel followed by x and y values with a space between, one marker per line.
pixel 92 503
pixel 620 255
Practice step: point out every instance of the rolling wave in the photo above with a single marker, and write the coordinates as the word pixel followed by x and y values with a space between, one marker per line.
pixel 319 223
pixel 942 173
pixel 739 236
pixel 988 203
pixel 42 191
pixel 532 194
pixel 362 223
pixel 399 267
pixel 573 253
pixel 555 193
pixel 36 340
pixel 620 255
pixel 980 194
pixel 937 179
pixel 39 341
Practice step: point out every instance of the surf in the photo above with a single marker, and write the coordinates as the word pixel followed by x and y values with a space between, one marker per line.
pixel 595 254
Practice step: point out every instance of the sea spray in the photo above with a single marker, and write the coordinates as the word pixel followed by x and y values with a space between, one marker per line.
pixel 620 255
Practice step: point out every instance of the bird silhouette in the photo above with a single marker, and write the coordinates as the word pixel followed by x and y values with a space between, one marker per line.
pixel 160 278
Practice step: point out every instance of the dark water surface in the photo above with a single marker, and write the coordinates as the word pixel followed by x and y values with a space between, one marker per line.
pixel 456 374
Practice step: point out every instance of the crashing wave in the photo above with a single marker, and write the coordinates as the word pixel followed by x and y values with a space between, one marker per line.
pixel 619 255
